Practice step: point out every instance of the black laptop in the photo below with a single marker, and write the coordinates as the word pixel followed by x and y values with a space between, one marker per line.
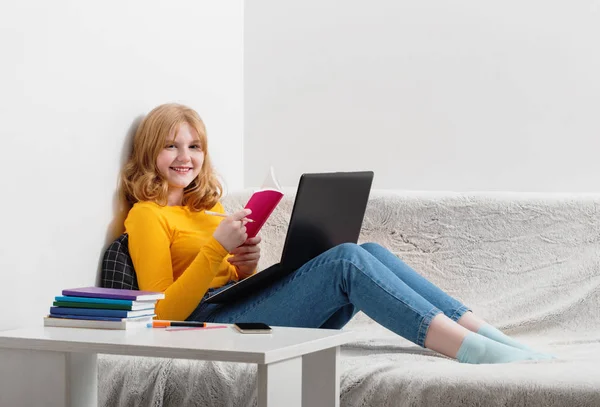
pixel 328 210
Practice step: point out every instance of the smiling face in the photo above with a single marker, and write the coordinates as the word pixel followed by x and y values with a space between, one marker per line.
pixel 180 161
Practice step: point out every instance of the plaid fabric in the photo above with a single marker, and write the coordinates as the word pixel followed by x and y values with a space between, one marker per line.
pixel 117 267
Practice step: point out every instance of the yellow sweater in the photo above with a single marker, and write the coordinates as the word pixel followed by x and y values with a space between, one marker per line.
pixel 173 251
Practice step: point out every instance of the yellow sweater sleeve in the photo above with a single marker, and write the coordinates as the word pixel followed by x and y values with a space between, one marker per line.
pixel 149 247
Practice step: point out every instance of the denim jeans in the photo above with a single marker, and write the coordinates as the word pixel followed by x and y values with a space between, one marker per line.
pixel 327 291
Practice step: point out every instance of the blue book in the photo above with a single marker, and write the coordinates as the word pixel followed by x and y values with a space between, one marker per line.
pixel 95 312
pixel 92 318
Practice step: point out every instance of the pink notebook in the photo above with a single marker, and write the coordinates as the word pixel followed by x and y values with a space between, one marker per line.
pixel 263 202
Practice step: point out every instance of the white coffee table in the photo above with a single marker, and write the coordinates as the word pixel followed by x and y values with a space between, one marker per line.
pixel 57 366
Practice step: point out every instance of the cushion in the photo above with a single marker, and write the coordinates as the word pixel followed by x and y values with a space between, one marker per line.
pixel 117 267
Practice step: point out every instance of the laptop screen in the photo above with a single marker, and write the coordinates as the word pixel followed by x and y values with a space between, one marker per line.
pixel 328 210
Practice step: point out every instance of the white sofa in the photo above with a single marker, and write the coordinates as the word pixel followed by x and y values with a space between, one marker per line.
pixel 528 263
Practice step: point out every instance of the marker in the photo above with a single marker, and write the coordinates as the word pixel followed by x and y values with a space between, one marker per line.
pixel 164 324
pixel 169 329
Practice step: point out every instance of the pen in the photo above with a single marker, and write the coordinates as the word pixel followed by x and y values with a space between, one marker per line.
pixel 164 324
pixel 194 328
pixel 223 215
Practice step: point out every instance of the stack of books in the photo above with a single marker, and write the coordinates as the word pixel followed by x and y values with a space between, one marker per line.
pixel 103 308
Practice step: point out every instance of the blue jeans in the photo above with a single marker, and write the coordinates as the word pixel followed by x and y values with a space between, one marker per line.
pixel 327 291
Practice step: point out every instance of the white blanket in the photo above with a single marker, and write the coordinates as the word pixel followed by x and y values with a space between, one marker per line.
pixel 529 264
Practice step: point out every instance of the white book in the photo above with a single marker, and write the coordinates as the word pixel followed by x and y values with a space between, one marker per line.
pixel 125 323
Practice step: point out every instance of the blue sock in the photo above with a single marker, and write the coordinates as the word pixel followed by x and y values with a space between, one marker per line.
pixel 479 349
pixel 489 331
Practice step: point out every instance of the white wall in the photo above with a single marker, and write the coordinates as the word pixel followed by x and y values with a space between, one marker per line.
pixel 74 76
pixel 437 95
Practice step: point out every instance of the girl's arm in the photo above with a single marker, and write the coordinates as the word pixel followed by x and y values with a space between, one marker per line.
pixel 149 247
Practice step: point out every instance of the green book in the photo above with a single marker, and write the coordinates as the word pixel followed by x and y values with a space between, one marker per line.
pixel 98 305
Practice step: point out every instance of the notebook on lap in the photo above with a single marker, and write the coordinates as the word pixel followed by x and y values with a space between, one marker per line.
pixel 328 210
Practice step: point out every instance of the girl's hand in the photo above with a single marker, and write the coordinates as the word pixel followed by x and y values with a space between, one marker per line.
pixel 246 256
pixel 231 232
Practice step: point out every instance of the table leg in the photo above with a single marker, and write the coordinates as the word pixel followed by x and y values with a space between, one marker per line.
pixel 50 379
pixel 280 384
pixel 321 378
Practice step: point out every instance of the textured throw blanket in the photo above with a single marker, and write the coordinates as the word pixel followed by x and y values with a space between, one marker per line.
pixel 529 264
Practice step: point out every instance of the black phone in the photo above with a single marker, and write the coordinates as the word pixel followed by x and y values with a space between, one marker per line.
pixel 252 327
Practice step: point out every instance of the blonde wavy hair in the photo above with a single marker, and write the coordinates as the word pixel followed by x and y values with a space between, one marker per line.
pixel 142 181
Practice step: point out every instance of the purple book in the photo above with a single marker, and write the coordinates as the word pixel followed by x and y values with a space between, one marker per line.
pixel 116 293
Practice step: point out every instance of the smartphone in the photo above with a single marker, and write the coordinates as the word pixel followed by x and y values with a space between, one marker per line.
pixel 252 328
